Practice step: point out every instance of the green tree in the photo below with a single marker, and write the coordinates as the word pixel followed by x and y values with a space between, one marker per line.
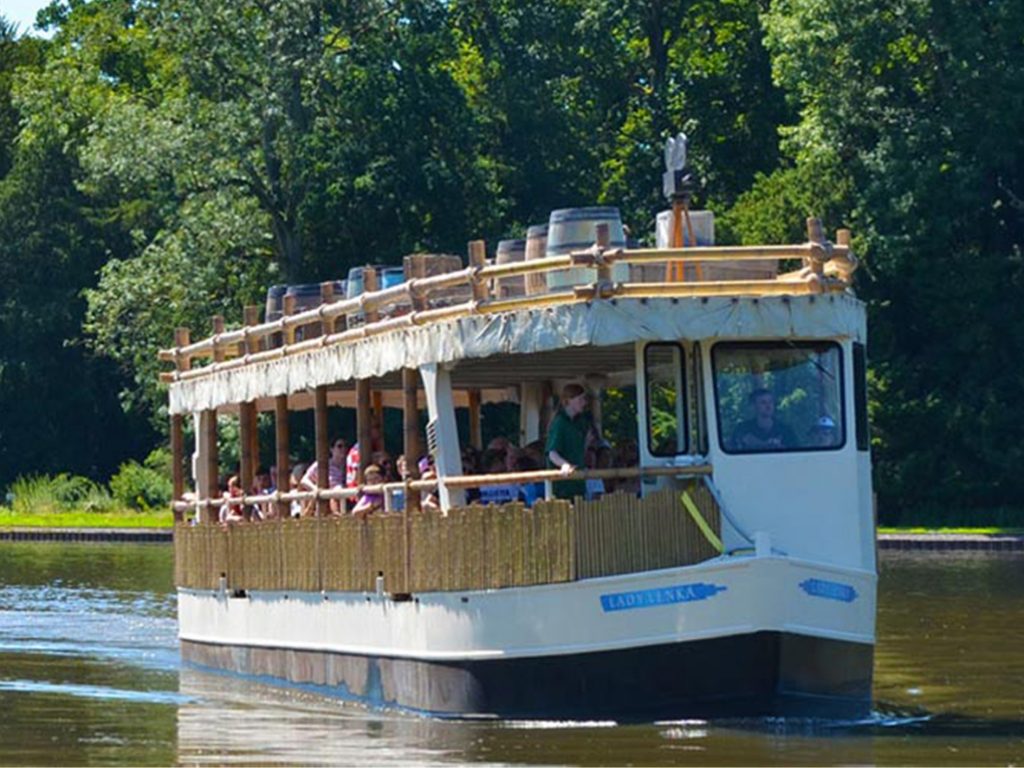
pixel 918 104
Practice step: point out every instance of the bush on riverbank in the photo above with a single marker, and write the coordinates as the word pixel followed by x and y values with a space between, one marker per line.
pixel 144 487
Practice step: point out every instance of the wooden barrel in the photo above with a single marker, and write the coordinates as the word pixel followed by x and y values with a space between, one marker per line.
pixel 704 231
pixel 575 229
pixel 307 296
pixel 510 251
pixel 275 303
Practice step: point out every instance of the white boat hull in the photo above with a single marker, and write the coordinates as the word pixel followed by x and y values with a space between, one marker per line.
pixel 739 635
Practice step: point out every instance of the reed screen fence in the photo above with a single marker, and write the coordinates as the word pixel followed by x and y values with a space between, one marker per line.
pixel 473 547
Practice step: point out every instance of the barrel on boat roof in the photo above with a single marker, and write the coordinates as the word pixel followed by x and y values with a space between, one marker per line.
pixel 704 233
pixel 307 296
pixel 387 277
pixel 575 229
pixel 509 252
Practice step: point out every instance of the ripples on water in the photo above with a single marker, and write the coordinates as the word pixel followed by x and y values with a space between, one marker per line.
pixel 89 674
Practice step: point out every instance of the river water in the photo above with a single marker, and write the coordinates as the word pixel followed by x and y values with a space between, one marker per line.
pixel 90 675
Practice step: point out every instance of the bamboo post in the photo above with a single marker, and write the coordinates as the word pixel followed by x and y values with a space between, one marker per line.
pixel 476 438
pixel 411 433
pixel 378 411
pixel 478 258
pixel 208 422
pixel 816 237
pixel 251 317
pixel 181 339
pixel 843 237
pixel 363 425
pixel 415 268
pixel 327 297
pixel 604 269
pixel 322 448
pixel 218 327
pixel 281 438
pixel 246 470
pixel 288 308
pixel 369 286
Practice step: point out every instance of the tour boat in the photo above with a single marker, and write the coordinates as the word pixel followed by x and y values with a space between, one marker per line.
pixel 733 572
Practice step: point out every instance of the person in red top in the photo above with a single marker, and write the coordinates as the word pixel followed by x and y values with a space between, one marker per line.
pixel 352 462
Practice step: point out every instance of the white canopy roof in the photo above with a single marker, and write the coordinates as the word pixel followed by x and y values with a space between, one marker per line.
pixel 601 323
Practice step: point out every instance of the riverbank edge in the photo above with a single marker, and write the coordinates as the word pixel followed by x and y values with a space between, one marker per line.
pixel 898 541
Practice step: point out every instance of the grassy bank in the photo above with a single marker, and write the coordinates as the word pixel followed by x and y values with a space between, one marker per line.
pixel 135 498
pixel 78 519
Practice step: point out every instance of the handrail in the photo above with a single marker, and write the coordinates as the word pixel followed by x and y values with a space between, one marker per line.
pixel 826 261
pixel 454 482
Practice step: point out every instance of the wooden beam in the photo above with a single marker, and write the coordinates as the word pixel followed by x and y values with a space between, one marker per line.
pixel 177 463
pixel 218 327
pixel 478 259
pixel 370 285
pixel 476 437
pixel 327 297
pixel 288 308
pixel 210 460
pixel 411 432
pixel 364 426
pixel 246 468
pixel 378 411
pixel 181 339
pixel 323 453
pixel 281 438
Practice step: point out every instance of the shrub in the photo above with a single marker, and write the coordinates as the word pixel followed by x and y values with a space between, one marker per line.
pixel 141 487
pixel 35 494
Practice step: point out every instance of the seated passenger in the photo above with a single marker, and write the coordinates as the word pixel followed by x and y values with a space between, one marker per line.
pixel 231 510
pixel 497 494
pixel 295 483
pixel 335 474
pixel 529 493
pixel 824 433
pixel 368 502
pixel 763 432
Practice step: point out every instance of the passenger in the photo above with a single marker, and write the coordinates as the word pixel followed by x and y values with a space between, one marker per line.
pixel 352 461
pixel 368 502
pixel 335 474
pixel 494 464
pixel 499 443
pixel 231 510
pixel 295 483
pixel 429 501
pixel 599 456
pixel 567 440
pixel 401 475
pixel 763 432
pixel 529 493
pixel 628 456
pixel 261 487
pixel 824 433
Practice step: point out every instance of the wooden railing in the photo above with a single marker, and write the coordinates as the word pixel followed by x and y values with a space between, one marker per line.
pixel 826 267
pixel 203 507
pixel 474 547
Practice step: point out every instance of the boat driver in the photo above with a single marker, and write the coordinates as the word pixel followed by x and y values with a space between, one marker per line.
pixel 763 432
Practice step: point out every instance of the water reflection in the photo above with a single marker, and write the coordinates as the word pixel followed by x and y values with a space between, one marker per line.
pixel 89 674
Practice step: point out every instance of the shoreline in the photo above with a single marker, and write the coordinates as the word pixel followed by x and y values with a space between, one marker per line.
pixel 996 542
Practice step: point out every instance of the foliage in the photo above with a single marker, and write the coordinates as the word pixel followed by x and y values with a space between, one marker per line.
pixel 143 487
pixel 48 494
pixel 162 162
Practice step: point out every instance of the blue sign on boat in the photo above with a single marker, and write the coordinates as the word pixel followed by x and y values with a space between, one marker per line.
pixel 648 598
pixel 830 590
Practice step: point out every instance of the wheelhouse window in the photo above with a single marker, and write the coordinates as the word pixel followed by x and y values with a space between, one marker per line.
pixel 667 426
pixel 772 397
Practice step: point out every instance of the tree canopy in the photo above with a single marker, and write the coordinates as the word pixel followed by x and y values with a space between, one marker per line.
pixel 165 160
